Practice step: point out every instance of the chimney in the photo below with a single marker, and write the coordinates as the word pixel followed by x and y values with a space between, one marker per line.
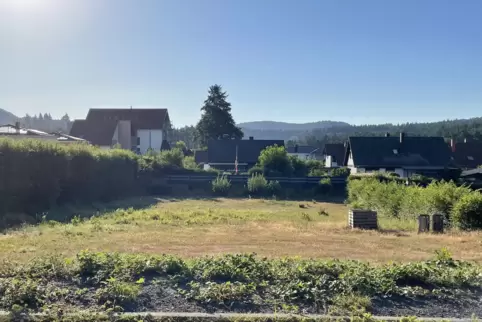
pixel 387 135
pixel 402 135
pixel 251 138
pixel 296 148
pixel 452 145
pixel 17 127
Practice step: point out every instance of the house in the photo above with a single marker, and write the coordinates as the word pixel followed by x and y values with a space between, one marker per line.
pixel 222 154
pixel 303 152
pixel 134 129
pixel 18 132
pixel 403 155
pixel 201 157
pixel 334 155
pixel 466 154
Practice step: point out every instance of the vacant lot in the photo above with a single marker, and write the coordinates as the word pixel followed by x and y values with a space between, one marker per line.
pixel 191 228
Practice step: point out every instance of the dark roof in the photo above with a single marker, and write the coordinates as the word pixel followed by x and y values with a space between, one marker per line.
pixel 336 150
pixel 301 149
pixel 201 156
pixel 224 151
pixel 389 152
pixel 467 155
pixel 99 126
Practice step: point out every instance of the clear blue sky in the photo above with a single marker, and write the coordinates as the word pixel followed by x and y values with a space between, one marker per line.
pixel 295 61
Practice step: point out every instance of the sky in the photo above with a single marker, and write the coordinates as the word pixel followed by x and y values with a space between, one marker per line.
pixel 363 62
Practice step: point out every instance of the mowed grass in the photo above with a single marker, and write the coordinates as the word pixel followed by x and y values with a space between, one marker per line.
pixel 205 227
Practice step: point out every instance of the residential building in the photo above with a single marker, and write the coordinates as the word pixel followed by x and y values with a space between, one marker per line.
pixel 403 155
pixel 223 154
pixel 138 130
pixel 17 132
pixel 466 154
pixel 334 155
pixel 303 152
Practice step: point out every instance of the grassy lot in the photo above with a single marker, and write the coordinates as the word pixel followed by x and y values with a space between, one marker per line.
pixel 191 228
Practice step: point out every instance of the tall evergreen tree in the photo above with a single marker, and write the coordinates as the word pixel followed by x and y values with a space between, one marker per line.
pixel 216 120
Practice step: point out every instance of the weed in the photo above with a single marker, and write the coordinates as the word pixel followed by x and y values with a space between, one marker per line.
pixel 306 217
pixel 117 293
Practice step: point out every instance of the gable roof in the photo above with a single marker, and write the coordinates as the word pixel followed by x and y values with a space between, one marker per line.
pixel 224 151
pixel 301 149
pixel 467 155
pixel 99 126
pixel 389 152
pixel 336 151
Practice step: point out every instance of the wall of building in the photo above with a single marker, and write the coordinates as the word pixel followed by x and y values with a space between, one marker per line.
pixel 149 139
pixel 124 134
pixel 329 163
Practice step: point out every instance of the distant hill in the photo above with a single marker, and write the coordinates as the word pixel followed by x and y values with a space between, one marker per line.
pixel 7 117
pixel 286 131
pixel 43 123
pixel 283 126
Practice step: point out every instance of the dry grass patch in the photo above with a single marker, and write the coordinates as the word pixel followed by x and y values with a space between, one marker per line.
pixel 270 228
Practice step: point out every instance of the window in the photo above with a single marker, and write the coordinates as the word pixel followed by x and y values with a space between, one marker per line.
pixel 471 158
pixel 138 141
pixel 395 151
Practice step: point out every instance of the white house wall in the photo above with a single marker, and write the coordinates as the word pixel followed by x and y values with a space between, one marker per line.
pixel 149 139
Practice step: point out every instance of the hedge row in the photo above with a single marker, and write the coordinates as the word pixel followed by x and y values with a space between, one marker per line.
pixel 36 175
pixel 461 205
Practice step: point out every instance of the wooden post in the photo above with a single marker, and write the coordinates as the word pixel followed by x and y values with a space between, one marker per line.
pixel 423 223
pixel 437 223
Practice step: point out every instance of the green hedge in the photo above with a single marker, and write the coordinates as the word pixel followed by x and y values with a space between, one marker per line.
pixel 461 205
pixel 36 175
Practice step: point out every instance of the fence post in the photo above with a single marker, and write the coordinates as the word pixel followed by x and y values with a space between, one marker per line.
pixel 423 223
pixel 437 223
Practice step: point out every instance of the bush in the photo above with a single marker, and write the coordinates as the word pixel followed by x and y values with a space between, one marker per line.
pixel 340 172
pixel 299 166
pixel 255 170
pixel 467 212
pixel 275 161
pixel 274 188
pixel 37 175
pixel 221 185
pixel 173 157
pixel 390 198
pixel 257 185
pixel 324 186
pixel 190 163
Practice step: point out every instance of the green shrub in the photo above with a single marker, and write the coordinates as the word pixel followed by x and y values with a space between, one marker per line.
pixel 340 172
pixel 324 186
pixel 255 171
pixel 275 161
pixel 391 198
pixel 467 212
pixel 37 175
pixel 221 185
pixel 118 293
pixel 274 188
pixel 317 173
pixel 173 157
pixel 189 163
pixel 257 185
pixel 299 166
